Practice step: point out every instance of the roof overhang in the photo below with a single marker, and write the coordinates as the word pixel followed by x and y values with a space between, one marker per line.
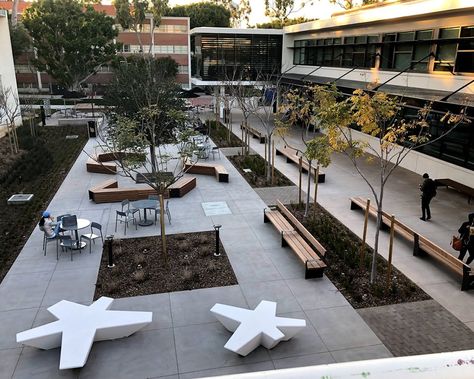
pixel 210 30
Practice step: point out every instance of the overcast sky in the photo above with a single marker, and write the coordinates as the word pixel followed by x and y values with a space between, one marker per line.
pixel 320 9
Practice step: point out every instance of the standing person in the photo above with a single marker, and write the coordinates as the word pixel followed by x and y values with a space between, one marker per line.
pixel 428 191
pixel 467 239
pixel 43 115
pixel 46 225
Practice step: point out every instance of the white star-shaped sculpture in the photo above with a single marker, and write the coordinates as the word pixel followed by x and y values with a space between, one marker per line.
pixel 258 327
pixel 79 326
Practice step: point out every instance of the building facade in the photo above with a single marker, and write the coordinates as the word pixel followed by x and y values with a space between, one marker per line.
pixel 170 38
pixel 422 50
pixel 7 70
pixel 225 54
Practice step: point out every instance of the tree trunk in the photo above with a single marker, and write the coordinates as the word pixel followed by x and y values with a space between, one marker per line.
pixel 268 164
pixel 373 272
pixel 153 160
pixel 14 19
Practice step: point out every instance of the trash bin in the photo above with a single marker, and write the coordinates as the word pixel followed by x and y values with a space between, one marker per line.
pixel 91 128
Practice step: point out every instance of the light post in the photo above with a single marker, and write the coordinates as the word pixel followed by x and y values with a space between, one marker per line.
pixel 109 240
pixel 217 252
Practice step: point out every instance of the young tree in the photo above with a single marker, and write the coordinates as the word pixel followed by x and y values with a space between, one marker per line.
pixel 378 116
pixel 203 14
pixel 71 41
pixel 9 112
pixel 298 110
pixel 132 14
pixel 279 24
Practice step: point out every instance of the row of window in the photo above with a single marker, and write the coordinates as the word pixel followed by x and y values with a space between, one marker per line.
pixel 159 29
pixel 448 49
pixel 157 49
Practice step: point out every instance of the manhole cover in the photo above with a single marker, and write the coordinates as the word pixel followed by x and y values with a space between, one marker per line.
pixel 72 136
pixel 216 208
pixel 20 198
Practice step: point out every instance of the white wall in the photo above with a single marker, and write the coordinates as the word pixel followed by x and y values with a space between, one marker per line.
pixel 421 163
pixel 7 69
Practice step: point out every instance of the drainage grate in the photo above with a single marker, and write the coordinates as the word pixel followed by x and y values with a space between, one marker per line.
pixel 20 198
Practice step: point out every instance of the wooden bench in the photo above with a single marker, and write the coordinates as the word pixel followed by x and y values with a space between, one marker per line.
pixel 255 133
pixel 182 186
pixel 462 188
pixel 92 165
pixel 293 157
pixel 116 156
pixel 314 265
pixel 109 192
pixel 421 245
pixel 219 171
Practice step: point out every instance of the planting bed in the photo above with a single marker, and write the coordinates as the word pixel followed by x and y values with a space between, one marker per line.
pixel 221 136
pixel 256 178
pixel 343 258
pixel 140 267
pixel 39 169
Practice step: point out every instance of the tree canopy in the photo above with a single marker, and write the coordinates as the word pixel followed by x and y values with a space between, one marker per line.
pixel 349 4
pixel 281 9
pixel 203 14
pixel 279 24
pixel 71 41
pixel 239 12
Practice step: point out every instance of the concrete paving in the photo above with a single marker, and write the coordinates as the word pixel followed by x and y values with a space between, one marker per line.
pixel 402 198
pixel 184 339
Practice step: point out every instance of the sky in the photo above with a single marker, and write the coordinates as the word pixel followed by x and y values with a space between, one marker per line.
pixel 320 9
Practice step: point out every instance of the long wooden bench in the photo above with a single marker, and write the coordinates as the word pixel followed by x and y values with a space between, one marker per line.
pixel 295 239
pixel 110 193
pixel 182 186
pixel 421 245
pixel 293 157
pixel 117 155
pixel 255 133
pixel 462 188
pixel 92 165
pixel 217 170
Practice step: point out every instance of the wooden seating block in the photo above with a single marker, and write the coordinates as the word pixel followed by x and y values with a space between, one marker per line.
pixel 255 133
pixel 182 186
pixel 462 188
pixel 314 265
pixel 109 192
pixel 314 242
pixel 208 169
pixel 93 165
pixel 293 157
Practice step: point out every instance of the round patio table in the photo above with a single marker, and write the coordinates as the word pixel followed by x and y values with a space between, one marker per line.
pixel 81 224
pixel 145 204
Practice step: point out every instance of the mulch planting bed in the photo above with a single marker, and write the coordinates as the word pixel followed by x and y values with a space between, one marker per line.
pixel 343 257
pixel 256 178
pixel 221 136
pixel 39 168
pixel 140 267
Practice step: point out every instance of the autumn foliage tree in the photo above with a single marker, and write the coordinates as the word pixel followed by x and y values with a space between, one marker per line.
pixel 391 137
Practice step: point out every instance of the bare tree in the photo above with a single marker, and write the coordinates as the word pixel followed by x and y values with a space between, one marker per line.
pixel 10 111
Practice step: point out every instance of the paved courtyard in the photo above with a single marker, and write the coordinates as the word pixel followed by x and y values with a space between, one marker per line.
pixel 184 339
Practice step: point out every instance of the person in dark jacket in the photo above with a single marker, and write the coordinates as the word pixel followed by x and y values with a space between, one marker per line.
pixel 467 239
pixel 428 191
pixel 43 115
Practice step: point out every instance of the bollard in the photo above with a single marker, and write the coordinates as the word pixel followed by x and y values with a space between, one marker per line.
pixel 217 252
pixel 109 240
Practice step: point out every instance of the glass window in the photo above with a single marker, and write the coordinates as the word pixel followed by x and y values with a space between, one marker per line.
pixel 445 57
pixel 421 52
pixel 465 62
pixel 424 34
pixel 361 39
pixel 449 33
pixel 407 36
pixel 373 39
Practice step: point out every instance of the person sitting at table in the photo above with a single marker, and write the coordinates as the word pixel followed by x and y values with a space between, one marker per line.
pixel 47 223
